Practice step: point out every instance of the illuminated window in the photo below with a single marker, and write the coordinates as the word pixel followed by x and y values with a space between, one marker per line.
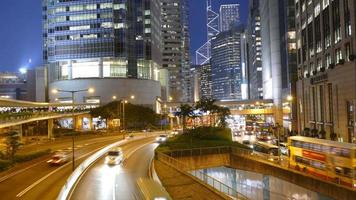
pixel 85 69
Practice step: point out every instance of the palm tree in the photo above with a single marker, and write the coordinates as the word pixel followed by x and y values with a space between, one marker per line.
pixel 207 106
pixel 185 111
pixel 223 113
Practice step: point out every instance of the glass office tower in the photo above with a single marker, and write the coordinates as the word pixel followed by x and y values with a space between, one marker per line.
pixel 113 46
pixel 228 65
pixel 101 38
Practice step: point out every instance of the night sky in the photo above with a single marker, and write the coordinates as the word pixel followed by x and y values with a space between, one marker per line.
pixel 21 27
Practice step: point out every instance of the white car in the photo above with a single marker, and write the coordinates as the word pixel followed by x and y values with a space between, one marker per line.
pixel 284 148
pixel 114 156
pixel 59 158
pixel 161 138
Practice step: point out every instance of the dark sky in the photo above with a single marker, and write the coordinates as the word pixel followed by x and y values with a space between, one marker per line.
pixel 20 32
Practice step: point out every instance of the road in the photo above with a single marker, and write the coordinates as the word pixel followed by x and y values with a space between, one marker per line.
pixel 41 181
pixel 117 182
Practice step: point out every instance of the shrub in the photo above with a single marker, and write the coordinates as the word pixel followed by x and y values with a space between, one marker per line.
pixel 5 164
pixel 211 133
pixel 31 156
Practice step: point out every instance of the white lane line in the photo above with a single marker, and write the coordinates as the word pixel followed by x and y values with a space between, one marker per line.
pixel 4 178
pixel 114 189
pixel 51 173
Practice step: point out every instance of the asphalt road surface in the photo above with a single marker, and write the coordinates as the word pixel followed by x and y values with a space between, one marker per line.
pixel 41 181
pixel 104 182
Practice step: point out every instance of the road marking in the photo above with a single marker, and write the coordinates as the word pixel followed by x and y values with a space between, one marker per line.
pixel 4 178
pixel 51 173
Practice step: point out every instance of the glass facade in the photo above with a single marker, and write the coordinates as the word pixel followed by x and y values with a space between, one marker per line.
pixel 229 16
pixel 101 38
pixel 227 65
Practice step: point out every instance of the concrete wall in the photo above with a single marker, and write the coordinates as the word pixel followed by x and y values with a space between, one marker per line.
pixel 321 187
pixel 145 91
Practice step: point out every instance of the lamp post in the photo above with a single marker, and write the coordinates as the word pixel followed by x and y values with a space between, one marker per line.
pixel 123 101
pixel 73 92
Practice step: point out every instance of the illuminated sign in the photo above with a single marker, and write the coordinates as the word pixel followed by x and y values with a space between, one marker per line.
pixel 313 155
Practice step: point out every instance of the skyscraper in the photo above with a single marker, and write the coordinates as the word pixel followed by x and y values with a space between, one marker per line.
pixel 229 16
pixel 176 56
pixel 274 54
pixel 326 89
pixel 228 65
pixel 103 44
pixel 255 50
pixel 205 81
pixel 203 54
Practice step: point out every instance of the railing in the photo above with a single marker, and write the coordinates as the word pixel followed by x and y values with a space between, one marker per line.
pixel 15 117
pixel 242 191
pixel 198 175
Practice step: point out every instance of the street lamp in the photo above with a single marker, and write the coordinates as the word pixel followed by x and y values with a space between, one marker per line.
pixel 73 92
pixel 123 101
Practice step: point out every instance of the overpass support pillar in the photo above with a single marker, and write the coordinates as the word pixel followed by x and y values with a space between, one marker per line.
pixel 50 128
pixel 78 123
pixel 91 124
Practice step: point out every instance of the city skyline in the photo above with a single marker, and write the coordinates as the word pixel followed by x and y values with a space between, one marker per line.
pixel 26 17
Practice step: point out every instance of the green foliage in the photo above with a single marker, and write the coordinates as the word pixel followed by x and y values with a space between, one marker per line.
pixel 12 144
pixel 223 113
pixel 140 117
pixel 31 156
pixel 200 137
pixel 108 111
pixel 211 133
pixel 185 112
pixel 136 116
pixel 5 164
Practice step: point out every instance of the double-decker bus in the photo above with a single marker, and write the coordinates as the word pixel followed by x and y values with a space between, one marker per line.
pixel 326 159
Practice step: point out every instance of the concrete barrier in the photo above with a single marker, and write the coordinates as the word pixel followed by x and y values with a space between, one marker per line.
pixel 220 156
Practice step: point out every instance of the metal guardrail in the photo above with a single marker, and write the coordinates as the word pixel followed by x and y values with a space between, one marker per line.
pixel 199 176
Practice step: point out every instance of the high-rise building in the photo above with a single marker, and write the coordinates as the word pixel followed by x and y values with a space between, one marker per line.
pixel 326 89
pixel 205 81
pixel 228 65
pixel 30 85
pixel 203 54
pixel 274 54
pixel 109 44
pixel 229 16
pixel 255 51
pixel 176 56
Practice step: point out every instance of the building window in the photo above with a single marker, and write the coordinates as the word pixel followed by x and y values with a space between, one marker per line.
pixel 338 55
pixel 347 52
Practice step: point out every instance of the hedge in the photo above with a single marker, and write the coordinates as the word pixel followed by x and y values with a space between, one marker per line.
pixel 31 156
pixel 5 164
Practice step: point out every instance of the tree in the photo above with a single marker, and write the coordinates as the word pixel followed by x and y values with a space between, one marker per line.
pixel 207 106
pixel 136 116
pixel 185 111
pixel 12 144
pixel 223 113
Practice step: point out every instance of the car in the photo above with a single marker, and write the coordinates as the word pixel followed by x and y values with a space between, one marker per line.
pixel 161 138
pixel 114 156
pixel 284 148
pixel 59 158
pixel 174 132
pixel 248 143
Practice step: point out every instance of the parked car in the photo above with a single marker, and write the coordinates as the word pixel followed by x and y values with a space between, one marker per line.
pixel 114 156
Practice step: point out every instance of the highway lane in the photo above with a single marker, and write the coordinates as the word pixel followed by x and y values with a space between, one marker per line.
pixel 103 182
pixel 42 181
